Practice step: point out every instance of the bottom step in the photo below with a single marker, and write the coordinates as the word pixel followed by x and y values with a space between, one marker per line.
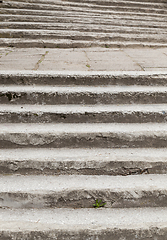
pixel 89 224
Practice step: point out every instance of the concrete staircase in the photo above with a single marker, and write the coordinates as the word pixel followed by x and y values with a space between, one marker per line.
pixel 75 23
pixel 69 139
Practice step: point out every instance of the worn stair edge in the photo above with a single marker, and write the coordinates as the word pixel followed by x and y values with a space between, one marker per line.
pixel 79 224
pixel 80 27
pixel 81 191
pixel 25 77
pixel 100 4
pixel 65 43
pixel 113 6
pixel 93 161
pixel 132 113
pixel 117 14
pixel 98 21
pixel 101 135
pixel 31 34
pixel 146 2
pixel 54 95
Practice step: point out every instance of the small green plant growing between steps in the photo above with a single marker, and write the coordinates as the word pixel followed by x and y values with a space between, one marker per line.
pixel 99 204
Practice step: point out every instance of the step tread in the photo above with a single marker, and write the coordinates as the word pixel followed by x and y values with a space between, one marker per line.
pixel 153 129
pixel 78 155
pixel 82 89
pixel 47 184
pixel 65 43
pixel 81 109
pixel 73 219
pixel 125 15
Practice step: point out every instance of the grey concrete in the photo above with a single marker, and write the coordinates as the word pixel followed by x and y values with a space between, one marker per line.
pixel 129 113
pixel 82 191
pixel 104 24
pixel 79 224
pixel 92 78
pixel 54 95
pixel 57 150
pixel 93 161
pixel 86 59
pixel 105 135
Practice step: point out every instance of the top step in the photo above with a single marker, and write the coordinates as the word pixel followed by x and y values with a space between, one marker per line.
pixel 83 78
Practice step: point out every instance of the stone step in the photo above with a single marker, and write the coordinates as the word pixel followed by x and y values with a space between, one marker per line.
pixel 76 191
pixel 141 14
pixel 75 224
pixel 105 2
pixel 82 27
pixel 54 95
pixel 64 43
pixel 125 113
pixel 82 78
pixel 94 13
pixel 83 36
pixel 108 21
pixel 83 135
pixel 113 5
pixel 151 4
pixel 95 161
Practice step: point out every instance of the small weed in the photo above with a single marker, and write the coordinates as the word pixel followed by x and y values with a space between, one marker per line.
pixel 88 65
pixel 99 204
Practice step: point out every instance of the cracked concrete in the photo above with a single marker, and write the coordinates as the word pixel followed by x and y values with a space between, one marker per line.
pixel 85 59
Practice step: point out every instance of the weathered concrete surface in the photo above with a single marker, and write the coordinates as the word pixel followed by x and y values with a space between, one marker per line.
pixel 79 224
pixel 84 59
pixel 53 78
pixel 93 161
pixel 104 135
pixel 81 191
pixel 93 23
pixel 54 95
pixel 129 113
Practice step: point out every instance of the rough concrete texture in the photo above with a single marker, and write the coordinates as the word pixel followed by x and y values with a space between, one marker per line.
pixel 82 191
pixel 52 161
pixel 129 113
pixel 93 78
pixel 105 135
pixel 79 224
pixel 69 138
pixel 86 24
pixel 84 59
pixel 54 95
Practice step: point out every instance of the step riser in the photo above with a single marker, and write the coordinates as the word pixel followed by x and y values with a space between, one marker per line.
pixel 54 98
pixel 89 117
pixel 161 38
pixel 82 28
pixel 65 43
pixel 100 4
pixel 84 199
pixel 99 140
pixel 112 168
pixel 119 15
pixel 77 20
pixel 131 8
pixel 90 224
pixel 93 2
pixel 84 78
pixel 114 233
